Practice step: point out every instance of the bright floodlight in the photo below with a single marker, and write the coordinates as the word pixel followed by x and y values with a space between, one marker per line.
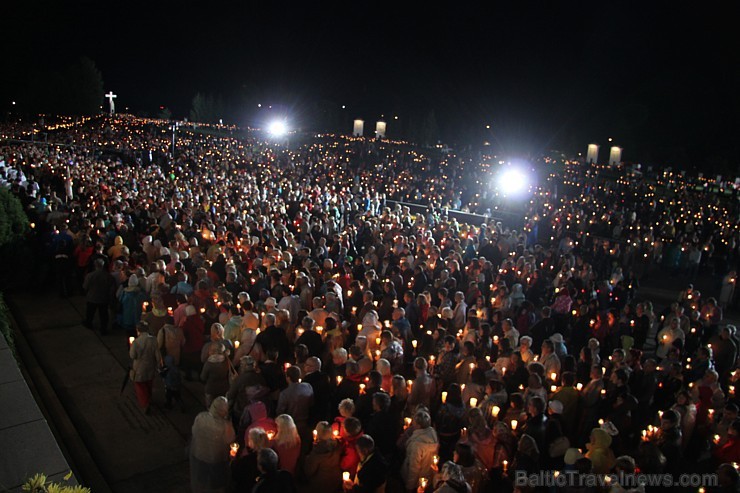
pixel 277 128
pixel 512 182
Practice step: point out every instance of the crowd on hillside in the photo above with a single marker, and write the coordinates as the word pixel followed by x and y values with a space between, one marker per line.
pixel 344 344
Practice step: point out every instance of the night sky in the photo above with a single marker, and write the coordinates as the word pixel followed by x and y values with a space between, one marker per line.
pixel 661 79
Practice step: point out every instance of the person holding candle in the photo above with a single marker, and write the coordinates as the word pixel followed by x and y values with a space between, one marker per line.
pixel 527 458
pixel 146 359
pixel 321 468
pixel 287 443
pixel 449 420
pixel 372 469
pixel 383 425
pixel 212 434
pixel 423 389
pixel 450 479
pixel 350 434
pixel 244 470
pixel 599 451
pixel 421 447
pixel 466 363
pixel 272 478
pixel 297 400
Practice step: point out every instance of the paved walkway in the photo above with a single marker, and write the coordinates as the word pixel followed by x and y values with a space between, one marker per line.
pixel 133 452
pixel 23 425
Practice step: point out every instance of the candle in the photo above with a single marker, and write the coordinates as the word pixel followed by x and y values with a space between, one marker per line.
pixel 359 327
pixel 553 376
pixel 506 465
pixel 435 460
pixel 354 310
pixel 603 392
pixel 236 344
pixel 423 483
pixel 495 339
pixel 335 433
pixel 286 366
pixel 345 476
pixel 579 386
pixel 233 449
pixel 553 388
pixel 473 402
pixel 514 424
pixel 406 423
pixel 414 343
pixel 319 329
pixel 444 396
pixel 270 435
pixel 131 340
pixel 339 379
pixel 315 435
pixel 495 410
pixel 472 367
pixel 362 388
pixel 601 422
pixel 716 438
pixel 377 341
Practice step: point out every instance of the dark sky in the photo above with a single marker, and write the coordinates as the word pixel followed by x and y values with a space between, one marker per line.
pixel 660 78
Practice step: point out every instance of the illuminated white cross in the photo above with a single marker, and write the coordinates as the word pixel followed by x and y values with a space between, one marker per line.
pixel 110 97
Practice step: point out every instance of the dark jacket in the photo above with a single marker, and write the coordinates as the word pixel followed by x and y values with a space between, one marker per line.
pixel 371 474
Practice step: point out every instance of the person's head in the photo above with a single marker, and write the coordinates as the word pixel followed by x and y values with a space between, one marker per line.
pixel 669 420
pixel 452 472
pixel 597 373
pixel 312 364
pixel 293 374
pixel 383 366
pixel 420 365
pixel 142 327
pixel 547 347
pixel 398 387
pixel 217 332
pixel 728 476
pixel 324 431
pixel 568 379
pixel 525 342
pixel 463 454
pixel 286 430
pixel 267 461
pixel 381 401
pixel 257 439
pixel 219 408
pixel 422 419
pixel 346 408
pixel 339 356
pixel 536 406
pixel 365 446
pixel 352 426
pixel 375 379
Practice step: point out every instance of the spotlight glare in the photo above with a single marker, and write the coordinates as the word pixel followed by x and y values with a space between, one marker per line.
pixel 512 182
pixel 277 128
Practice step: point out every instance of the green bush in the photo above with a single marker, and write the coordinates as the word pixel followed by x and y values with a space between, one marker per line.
pixel 13 220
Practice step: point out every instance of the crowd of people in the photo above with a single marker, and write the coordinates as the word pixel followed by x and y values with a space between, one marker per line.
pixel 348 345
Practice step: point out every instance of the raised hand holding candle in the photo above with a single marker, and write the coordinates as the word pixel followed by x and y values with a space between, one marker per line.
pixel 233 449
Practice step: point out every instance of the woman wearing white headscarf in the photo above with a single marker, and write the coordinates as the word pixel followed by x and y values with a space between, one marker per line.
pixel 209 449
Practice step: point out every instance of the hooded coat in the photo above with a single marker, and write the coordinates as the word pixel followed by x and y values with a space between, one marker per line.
pixel 602 457
pixel 421 448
